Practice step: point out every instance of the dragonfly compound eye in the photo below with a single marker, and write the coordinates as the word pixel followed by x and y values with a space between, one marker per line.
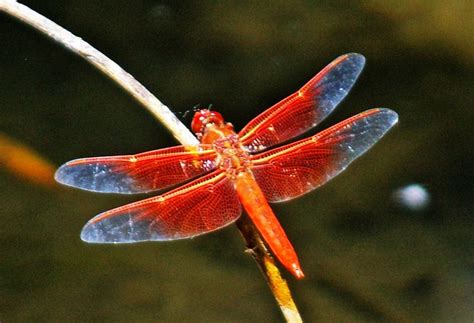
pixel 204 117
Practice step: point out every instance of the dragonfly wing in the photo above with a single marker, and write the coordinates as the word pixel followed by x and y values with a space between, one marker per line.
pixel 201 206
pixel 139 173
pixel 304 109
pixel 295 169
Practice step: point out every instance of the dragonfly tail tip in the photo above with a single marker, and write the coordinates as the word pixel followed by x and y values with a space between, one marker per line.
pixel 296 271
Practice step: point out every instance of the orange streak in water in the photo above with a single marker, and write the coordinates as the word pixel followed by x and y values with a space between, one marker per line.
pixel 25 163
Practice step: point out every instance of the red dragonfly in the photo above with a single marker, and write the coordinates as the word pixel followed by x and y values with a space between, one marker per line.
pixel 230 170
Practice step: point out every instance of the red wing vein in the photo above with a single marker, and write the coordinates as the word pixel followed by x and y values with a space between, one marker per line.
pixel 295 169
pixel 201 206
pixel 307 107
pixel 139 173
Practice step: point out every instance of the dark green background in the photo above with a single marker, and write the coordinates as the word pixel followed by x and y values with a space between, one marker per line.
pixel 365 259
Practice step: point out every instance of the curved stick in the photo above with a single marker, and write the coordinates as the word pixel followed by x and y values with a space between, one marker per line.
pixel 80 47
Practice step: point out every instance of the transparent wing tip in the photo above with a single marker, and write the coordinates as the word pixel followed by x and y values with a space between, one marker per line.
pixel 337 79
pixel 92 235
pixel 356 63
pixel 350 66
pixel 119 228
pixel 105 232
pixel 356 59
pixel 96 177
pixel 64 175
pixel 100 233
pixel 389 116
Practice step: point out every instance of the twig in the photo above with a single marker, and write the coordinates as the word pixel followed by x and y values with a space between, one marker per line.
pixel 279 287
pixel 253 240
pixel 104 64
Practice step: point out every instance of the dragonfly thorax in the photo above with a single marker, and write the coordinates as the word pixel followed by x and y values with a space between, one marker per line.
pixel 210 127
pixel 231 155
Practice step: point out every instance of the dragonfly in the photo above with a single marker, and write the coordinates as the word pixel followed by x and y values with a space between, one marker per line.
pixel 230 171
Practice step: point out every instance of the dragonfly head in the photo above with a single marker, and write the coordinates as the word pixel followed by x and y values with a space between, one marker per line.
pixel 203 118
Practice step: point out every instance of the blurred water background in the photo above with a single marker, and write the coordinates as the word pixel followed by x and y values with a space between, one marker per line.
pixel 367 255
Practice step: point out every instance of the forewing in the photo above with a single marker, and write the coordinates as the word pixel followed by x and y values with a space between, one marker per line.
pixel 304 109
pixel 139 173
pixel 201 206
pixel 298 168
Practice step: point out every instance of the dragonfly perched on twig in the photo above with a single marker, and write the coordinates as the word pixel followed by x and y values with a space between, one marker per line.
pixel 230 170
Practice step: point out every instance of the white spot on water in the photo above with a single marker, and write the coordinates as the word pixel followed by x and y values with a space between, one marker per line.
pixel 413 197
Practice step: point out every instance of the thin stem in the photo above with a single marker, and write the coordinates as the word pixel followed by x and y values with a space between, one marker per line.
pixel 78 46
pixel 104 64
pixel 259 252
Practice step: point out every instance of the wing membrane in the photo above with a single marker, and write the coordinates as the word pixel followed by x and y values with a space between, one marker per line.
pixel 139 173
pixel 304 109
pixel 201 206
pixel 296 169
